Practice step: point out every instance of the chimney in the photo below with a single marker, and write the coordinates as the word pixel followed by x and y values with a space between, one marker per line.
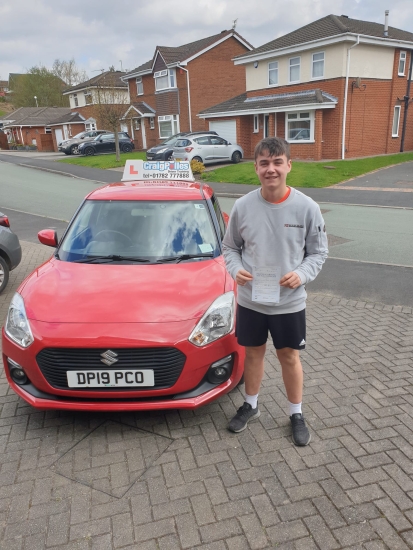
pixel 386 23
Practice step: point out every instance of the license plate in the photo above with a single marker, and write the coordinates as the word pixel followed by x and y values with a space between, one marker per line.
pixel 110 378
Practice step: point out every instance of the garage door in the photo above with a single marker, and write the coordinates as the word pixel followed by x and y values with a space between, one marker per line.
pixel 227 129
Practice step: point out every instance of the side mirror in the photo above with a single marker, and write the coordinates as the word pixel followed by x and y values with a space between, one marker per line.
pixel 48 237
pixel 226 218
pixel 82 137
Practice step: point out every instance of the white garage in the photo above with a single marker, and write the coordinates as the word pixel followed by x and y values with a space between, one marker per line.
pixel 227 129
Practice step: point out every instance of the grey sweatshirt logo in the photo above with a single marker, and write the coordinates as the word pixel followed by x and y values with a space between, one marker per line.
pixel 293 225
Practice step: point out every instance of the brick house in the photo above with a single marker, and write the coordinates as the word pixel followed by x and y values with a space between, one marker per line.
pixel 43 127
pixel 335 88
pixel 4 87
pixel 168 91
pixel 105 88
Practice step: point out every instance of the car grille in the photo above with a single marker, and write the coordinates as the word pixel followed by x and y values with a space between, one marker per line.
pixel 167 364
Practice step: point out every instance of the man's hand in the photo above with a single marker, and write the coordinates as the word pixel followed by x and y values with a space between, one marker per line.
pixel 290 280
pixel 243 277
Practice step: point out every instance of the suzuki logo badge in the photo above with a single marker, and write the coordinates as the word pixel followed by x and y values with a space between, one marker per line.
pixel 109 358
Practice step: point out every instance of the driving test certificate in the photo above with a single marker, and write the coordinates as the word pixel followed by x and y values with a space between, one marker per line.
pixel 266 284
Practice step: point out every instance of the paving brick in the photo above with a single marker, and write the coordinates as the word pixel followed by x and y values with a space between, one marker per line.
pixel 354 534
pixel 187 530
pixel 388 534
pixel 287 531
pixel 220 530
pixel 321 533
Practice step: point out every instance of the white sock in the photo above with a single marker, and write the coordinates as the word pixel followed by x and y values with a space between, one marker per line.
pixel 295 408
pixel 252 400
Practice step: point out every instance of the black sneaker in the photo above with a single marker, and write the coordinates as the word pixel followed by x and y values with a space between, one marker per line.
pixel 243 416
pixel 301 435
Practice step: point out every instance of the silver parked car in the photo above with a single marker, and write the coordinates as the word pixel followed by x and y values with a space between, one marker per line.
pixel 71 146
pixel 10 251
pixel 206 149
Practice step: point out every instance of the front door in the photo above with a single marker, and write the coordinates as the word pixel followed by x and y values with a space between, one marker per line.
pixel 221 148
pixel 59 135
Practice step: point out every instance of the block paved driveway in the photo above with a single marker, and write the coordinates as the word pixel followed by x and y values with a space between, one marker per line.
pixel 173 480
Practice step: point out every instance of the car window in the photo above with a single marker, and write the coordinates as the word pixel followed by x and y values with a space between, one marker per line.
pixel 106 137
pixel 218 141
pixel 203 140
pixel 182 143
pixel 149 229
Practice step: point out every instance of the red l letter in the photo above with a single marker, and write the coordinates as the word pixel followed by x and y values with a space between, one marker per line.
pixel 132 171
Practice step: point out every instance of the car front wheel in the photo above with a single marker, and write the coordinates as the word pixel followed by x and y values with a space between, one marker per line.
pixel 236 157
pixel 89 151
pixel 4 274
pixel 74 150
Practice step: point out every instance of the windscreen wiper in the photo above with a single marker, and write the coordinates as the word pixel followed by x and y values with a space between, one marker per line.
pixel 178 259
pixel 110 258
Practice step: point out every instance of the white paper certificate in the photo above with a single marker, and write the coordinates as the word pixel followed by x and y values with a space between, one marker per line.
pixel 266 284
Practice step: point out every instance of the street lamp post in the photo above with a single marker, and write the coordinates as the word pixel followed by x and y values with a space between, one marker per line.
pixel 35 97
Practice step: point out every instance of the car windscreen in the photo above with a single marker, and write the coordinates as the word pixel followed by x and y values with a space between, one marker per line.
pixel 143 229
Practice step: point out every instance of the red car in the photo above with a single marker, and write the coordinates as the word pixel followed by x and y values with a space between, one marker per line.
pixel 134 310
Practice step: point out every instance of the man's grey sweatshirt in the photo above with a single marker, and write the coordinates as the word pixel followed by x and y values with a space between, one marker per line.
pixel 290 235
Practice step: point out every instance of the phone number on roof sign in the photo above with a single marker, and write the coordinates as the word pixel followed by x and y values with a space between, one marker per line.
pixel 166 165
pixel 167 175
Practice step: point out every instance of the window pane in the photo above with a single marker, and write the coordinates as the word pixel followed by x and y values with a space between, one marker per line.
pixel 304 115
pixel 165 128
pixel 318 65
pixel 172 78
pixel 273 73
pixel 292 115
pixel 396 118
pixel 294 73
pixel 161 82
pixel 318 56
pixel 299 130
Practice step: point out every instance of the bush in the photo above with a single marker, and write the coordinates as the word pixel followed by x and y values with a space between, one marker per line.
pixel 197 167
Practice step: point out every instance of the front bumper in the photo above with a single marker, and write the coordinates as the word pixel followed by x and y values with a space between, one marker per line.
pixel 191 389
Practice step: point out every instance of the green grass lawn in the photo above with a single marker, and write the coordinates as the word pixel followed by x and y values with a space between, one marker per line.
pixel 308 174
pixel 104 161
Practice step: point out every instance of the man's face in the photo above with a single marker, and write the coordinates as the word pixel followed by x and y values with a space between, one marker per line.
pixel 272 171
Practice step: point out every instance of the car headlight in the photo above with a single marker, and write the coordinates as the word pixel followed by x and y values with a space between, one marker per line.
pixel 216 322
pixel 17 325
pixel 162 150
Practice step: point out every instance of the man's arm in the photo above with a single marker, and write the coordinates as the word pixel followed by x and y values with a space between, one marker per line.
pixel 232 248
pixel 316 251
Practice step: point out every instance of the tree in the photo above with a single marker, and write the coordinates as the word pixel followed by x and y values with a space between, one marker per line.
pixel 111 99
pixel 69 72
pixel 38 86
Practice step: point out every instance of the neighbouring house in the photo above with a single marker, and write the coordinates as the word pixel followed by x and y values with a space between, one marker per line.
pixel 4 87
pixel 43 127
pixel 335 88
pixel 168 91
pixel 105 88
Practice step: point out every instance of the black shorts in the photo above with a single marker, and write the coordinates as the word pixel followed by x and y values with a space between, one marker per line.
pixel 287 329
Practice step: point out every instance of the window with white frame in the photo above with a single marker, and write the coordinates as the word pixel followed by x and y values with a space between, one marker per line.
pixel 256 123
pixel 137 123
pixel 164 79
pixel 90 126
pixel 168 125
pixel 139 85
pixel 47 130
pixel 396 121
pixel 295 69
pixel 152 123
pixel 88 97
pixel 317 70
pixel 299 126
pixel 75 100
pixel 402 63
pixel 273 73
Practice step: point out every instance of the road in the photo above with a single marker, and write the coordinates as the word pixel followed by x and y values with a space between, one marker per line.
pixel 371 257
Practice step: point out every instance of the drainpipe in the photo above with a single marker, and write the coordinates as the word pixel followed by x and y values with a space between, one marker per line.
pixel 189 97
pixel 343 137
pixel 406 101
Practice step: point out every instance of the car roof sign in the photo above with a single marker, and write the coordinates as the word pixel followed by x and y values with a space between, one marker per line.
pixel 157 170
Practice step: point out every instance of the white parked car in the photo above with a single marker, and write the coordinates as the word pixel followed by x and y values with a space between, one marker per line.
pixel 207 149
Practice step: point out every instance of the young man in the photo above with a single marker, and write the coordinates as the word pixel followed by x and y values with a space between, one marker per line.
pixel 275 244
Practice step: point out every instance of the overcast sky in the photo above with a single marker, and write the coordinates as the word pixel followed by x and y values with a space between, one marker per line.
pixel 124 33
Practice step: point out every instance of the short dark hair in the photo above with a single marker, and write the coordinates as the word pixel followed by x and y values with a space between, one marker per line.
pixel 275 146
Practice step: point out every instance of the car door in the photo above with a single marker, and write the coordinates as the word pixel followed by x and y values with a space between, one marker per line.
pixel 204 148
pixel 105 143
pixel 221 148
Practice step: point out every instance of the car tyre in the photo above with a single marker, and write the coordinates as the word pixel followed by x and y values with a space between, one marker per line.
pixel 236 157
pixel 74 150
pixel 4 274
pixel 126 148
pixel 89 151
pixel 198 159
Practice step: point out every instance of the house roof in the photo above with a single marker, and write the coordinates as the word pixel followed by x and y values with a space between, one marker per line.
pixel 179 54
pixel 142 108
pixel 330 26
pixel 41 116
pixel 107 79
pixel 242 104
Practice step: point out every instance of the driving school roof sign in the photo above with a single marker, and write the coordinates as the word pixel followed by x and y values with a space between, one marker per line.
pixel 157 170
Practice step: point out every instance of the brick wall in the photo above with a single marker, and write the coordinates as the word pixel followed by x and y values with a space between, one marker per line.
pixel 3 141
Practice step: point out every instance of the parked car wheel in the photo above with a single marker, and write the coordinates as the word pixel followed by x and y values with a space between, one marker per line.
pixel 74 150
pixel 127 148
pixel 89 151
pixel 198 159
pixel 4 274
pixel 236 157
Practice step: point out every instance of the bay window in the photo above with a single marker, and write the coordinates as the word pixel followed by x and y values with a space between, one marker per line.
pixel 165 79
pixel 168 125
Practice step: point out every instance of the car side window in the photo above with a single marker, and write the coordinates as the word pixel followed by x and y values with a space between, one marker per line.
pixel 182 143
pixel 218 141
pixel 106 137
pixel 218 214
pixel 202 141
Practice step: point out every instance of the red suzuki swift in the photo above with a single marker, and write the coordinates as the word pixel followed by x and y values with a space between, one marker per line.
pixel 134 310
